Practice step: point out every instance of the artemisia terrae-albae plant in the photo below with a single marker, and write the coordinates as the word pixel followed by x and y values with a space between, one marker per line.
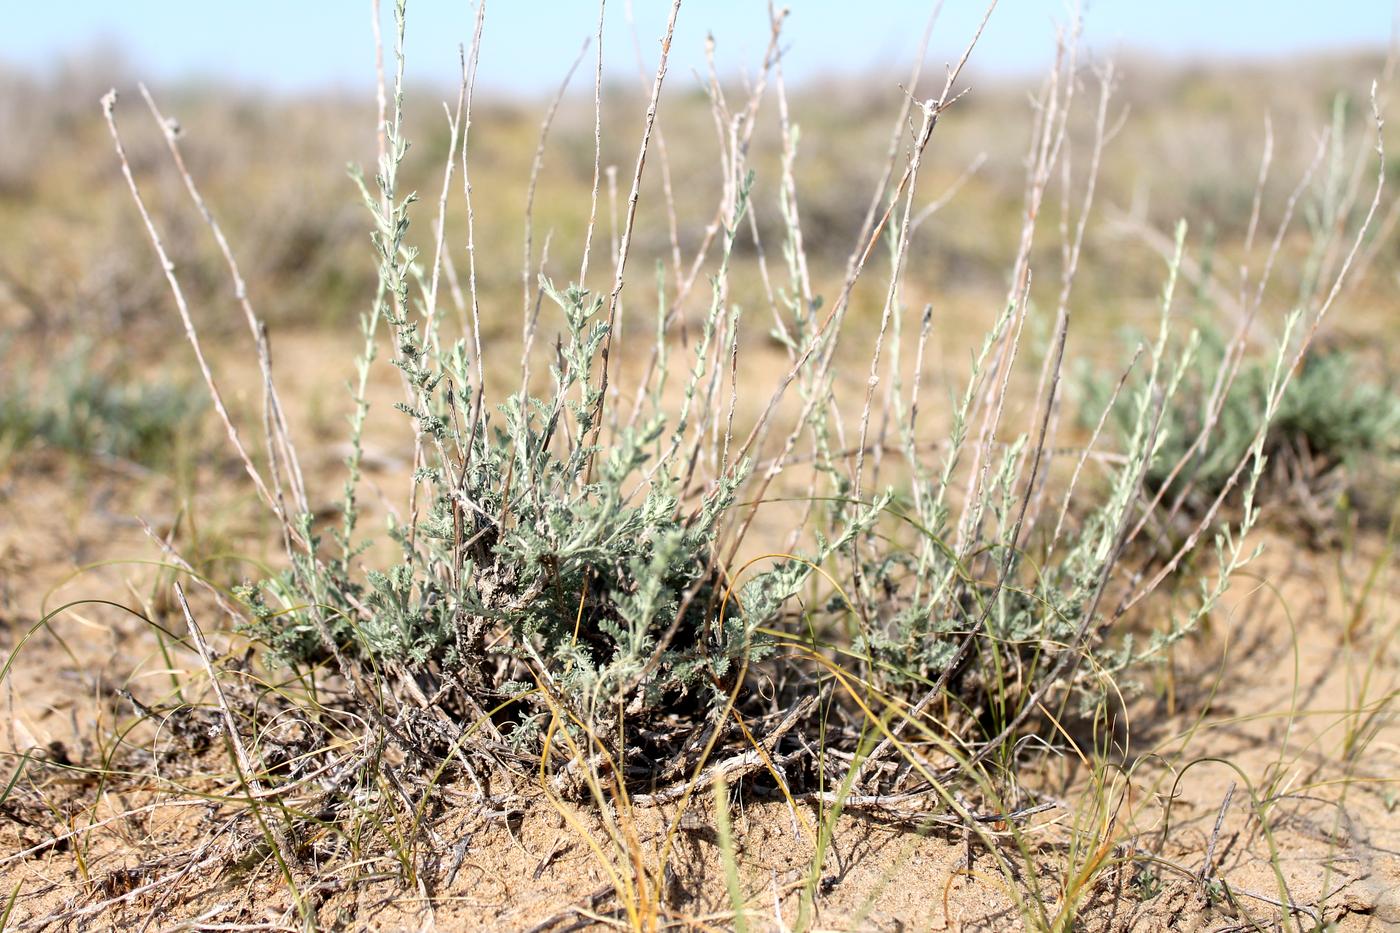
pixel 1336 427
pixel 566 585
pixel 554 569
pixel 1334 437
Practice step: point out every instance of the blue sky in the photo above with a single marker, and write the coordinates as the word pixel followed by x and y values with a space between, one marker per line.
pixel 290 45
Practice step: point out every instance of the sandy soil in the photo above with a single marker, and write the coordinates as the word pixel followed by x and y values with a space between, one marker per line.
pixel 1278 723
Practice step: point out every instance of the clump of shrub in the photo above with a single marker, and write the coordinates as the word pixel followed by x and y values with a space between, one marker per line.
pixel 1335 425
pixel 564 573
pixel 548 576
pixel 553 569
pixel 93 409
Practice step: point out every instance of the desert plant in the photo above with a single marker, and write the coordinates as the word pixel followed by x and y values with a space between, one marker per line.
pixel 565 581
pixel 94 409
pixel 606 583
pixel 1334 425
pixel 556 565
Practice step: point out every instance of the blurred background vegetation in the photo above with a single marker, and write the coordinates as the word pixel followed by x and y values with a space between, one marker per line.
pixel 273 167
pixel 89 330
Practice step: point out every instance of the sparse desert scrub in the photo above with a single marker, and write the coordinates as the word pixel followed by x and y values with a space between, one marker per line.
pixel 557 611
pixel 92 410
pixel 1331 448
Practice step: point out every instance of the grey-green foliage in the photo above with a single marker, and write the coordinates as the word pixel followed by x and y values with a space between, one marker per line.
pixel 1005 591
pixel 559 559
pixel 549 562
pixel 1333 418
pixel 88 408
pixel 607 583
